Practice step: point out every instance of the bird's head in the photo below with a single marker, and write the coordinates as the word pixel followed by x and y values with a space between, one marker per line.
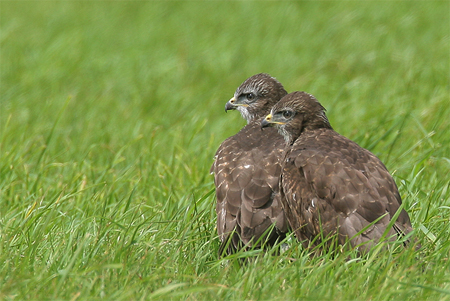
pixel 255 96
pixel 295 113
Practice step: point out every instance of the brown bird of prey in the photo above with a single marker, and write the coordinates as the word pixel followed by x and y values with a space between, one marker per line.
pixel 330 185
pixel 247 170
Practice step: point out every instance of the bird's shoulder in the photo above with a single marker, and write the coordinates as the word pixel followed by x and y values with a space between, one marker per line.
pixel 328 148
pixel 252 137
pixel 249 146
pixel 343 174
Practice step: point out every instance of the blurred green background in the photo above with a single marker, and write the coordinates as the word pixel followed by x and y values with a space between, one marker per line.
pixel 111 112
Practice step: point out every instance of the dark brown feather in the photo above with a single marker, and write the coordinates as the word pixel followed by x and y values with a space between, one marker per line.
pixel 330 184
pixel 248 199
pixel 247 170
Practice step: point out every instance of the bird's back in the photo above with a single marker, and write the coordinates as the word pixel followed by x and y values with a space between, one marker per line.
pixel 333 183
pixel 246 175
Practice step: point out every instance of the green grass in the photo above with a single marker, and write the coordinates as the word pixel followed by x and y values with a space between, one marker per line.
pixel 111 113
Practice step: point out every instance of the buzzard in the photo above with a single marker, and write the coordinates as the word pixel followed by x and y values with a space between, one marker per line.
pixel 247 169
pixel 329 184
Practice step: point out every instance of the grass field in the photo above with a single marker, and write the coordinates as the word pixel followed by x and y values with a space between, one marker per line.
pixel 111 112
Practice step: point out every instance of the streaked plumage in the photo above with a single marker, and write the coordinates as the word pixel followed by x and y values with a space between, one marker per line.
pixel 329 183
pixel 247 169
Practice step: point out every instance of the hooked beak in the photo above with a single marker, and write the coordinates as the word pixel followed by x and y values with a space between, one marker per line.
pixel 268 121
pixel 230 105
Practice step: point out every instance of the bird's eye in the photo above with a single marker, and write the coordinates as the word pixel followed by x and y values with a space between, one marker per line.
pixel 250 96
pixel 287 114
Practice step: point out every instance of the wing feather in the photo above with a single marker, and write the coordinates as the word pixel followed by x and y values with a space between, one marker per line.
pixel 333 185
pixel 246 174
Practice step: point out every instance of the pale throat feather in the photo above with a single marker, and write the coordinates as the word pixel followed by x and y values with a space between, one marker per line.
pixel 246 114
pixel 286 135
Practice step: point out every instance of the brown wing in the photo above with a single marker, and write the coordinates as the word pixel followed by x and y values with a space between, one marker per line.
pixel 332 183
pixel 246 174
